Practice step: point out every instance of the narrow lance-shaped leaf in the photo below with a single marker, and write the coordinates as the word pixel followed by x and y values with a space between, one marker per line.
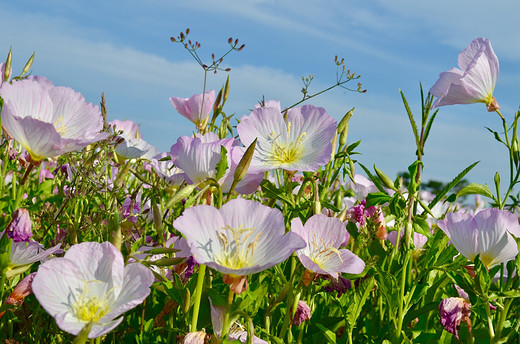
pixel 452 184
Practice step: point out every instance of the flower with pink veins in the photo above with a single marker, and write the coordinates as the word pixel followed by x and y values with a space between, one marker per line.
pixel 197 108
pixel 323 236
pixel 198 158
pixel 91 284
pixel 133 146
pixel 489 233
pixel 474 82
pixel 241 238
pixel 49 120
pixel 300 142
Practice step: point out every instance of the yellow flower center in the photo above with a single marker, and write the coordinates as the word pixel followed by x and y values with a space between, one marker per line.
pixel 91 308
pixel 60 127
pixel 285 152
pixel 236 253
pixel 321 254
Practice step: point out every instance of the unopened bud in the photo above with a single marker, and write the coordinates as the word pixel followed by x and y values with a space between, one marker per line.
pixel 8 66
pixel 226 89
pixel 216 104
pixel 515 151
pixel 243 165
pixel 344 121
pixel 180 195
pixel 385 179
pixel 241 47
pixel 173 39
pixel 230 40
pixel 187 31
pixel 182 36
pixel 28 65
pixel 186 301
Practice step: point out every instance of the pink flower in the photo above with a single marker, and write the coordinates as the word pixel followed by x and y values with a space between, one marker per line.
pixel 299 141
pixel 91 283
pixel 197 108
pixel 474 82
pixel 132 146
pixel 243 237
pixel 303 312
pixel 453 311
pixel 47 120
pixel 487 233
pixel 323 236
pixel 20 228
pixel 198 158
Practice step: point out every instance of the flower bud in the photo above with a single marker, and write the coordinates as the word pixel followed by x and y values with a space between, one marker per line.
pixel 8 67
pixel 385 179
pixel 28 65
pixel 20 227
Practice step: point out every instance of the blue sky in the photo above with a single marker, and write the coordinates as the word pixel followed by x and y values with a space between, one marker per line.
pixel 124 50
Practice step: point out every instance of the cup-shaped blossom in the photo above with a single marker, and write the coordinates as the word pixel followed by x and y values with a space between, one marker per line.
pixel 243 237
pixel 90 284
pixel 474 82
pixel 323 236
pixel 25 253
pixel 49 120
pixel 197 108
pixel 301 142
pixel 198 158
pixel 132 146
pixel 165 169
pixel 488 233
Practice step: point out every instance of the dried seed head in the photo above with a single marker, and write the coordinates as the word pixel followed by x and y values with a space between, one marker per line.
pixel 230 40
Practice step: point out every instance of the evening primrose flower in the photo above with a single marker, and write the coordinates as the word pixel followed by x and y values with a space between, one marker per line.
pixel 25 253
pixel 301 142
pixel 488 233
pixel 198 158
pixel 197 108
pixel 90 284
pixel 323 236
pixel 48 120
pixel 132 146
pixel 243 237
pixel 474 82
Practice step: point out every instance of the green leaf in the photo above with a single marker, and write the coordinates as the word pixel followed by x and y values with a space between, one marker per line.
pixel 497 137
pixel 222 165
pixel 451 184
pixel 476 189
pixel 356 306
pixel 372 178
pixel 377 198
pixel 410 117
pixel 328 334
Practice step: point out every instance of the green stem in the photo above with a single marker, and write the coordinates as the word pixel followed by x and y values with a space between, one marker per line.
pixel 197 296
pixel 227 323
pixel 502 317
pixel 490 324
